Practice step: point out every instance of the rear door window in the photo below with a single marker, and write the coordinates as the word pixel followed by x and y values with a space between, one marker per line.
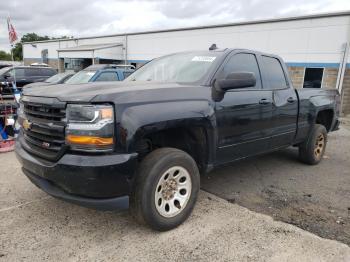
pixel 107 76
pixel 274 73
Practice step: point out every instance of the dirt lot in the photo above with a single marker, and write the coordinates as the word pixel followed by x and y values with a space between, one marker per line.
pixel 37 227
pixel 314 198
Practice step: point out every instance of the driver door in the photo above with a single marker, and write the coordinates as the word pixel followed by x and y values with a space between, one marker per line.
pixel 243 115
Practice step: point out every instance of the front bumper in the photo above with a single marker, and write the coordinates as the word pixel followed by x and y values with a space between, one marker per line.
pixel 101 182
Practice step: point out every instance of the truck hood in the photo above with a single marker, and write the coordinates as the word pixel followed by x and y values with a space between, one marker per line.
pixel 36 84
pixel 101 91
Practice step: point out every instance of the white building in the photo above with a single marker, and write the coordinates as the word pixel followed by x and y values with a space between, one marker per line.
pixel 314 47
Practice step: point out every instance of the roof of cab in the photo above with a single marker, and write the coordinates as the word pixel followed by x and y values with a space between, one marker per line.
pixel 96 67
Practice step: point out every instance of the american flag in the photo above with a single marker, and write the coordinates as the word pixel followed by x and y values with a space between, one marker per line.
pixel 12 32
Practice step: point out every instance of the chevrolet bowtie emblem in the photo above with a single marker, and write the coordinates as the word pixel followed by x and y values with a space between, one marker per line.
pixel 45 144
pixel 26 124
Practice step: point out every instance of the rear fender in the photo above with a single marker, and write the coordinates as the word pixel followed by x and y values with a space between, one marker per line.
pixel 322 103
pixel 309 107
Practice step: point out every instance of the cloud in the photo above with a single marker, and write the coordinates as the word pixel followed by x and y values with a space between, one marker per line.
pixel 97 17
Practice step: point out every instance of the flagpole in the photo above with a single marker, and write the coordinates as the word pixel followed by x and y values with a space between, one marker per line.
pixel 10 30
pixel 13 68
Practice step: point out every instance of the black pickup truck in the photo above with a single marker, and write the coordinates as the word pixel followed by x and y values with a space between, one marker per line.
pixel 145 141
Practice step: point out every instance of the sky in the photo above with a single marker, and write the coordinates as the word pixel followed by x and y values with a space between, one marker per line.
pixel 100 17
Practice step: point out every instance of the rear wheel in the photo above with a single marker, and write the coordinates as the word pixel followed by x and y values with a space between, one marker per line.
pixel 166 189
pixel 312 150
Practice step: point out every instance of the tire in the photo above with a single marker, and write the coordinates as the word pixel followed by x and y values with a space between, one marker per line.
pixel 177 191
pixel 312 150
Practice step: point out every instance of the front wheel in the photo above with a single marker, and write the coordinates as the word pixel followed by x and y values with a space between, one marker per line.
pixel 312 150
pixel 166 189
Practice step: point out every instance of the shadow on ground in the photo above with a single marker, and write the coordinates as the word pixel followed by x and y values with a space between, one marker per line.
pixel 314 198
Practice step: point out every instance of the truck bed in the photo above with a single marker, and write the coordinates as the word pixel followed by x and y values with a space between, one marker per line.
pixel 307 93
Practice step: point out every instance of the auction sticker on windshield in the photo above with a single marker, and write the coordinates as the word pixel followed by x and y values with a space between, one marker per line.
pixel 204 58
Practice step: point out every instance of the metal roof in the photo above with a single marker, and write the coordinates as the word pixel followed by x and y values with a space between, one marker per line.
pixel 263 21
pixel 89 47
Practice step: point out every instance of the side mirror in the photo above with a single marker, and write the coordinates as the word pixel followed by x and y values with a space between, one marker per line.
pixel 236 80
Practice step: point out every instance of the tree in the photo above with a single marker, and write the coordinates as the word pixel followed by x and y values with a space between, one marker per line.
pixel 5 56
pixel 30 37
pixel 17 52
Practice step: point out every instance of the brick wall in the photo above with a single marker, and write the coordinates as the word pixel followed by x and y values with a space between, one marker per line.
pixel 296 74
pixel 330 78
pixel 346 93
pixel 28 61
pixel 329 82
pixel 51 62
pixel 60 62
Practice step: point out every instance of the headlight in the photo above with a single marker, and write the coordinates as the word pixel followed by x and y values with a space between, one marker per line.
pixel 90 127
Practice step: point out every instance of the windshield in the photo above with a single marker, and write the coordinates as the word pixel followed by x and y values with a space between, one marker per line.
pixel 182 67
pixel 81 77
pixel 55 78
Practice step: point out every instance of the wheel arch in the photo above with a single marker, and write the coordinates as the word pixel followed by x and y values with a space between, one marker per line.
pixel 196 140
pixel 325 117
pixel 186 125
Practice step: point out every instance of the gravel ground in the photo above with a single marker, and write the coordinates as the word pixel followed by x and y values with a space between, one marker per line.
pixel 37 227
pixel 315 198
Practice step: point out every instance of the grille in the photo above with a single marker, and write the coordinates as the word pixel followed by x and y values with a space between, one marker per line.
pixel 45 135
pixel 6 95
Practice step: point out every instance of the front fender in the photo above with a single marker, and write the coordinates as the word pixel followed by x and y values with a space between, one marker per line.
pixel 139 120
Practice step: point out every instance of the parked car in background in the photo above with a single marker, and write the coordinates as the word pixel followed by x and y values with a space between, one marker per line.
pixel 2 65
pixel 40 64
pixel 9 63
pixel 25 74
pixel 53 80
pixel 100 72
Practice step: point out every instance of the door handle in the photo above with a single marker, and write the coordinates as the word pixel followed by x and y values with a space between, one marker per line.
pixel 290 100
pixel 264 101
